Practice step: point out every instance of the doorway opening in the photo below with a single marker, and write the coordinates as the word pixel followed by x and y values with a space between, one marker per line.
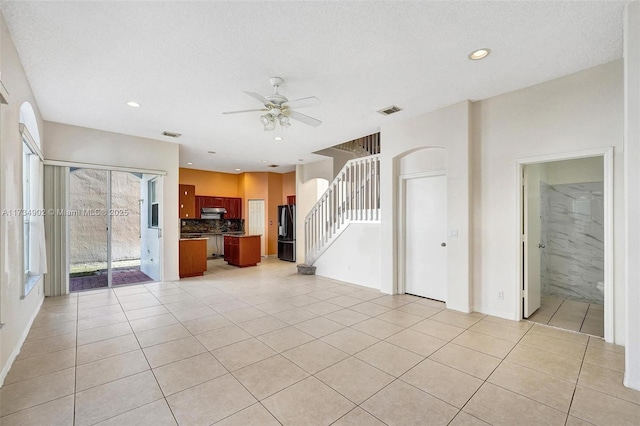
pixel 114 228
pixel 565 246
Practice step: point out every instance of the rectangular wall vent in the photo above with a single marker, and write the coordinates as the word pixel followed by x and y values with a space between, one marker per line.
pixel 390 110
pixel 172 134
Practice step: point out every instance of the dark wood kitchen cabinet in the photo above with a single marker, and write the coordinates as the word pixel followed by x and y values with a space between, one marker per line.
pixel 192 257
pixel 187 201
pixel 242 250
pixel 232 205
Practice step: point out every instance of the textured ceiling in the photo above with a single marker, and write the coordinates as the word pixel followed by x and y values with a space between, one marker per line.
pixel 187 62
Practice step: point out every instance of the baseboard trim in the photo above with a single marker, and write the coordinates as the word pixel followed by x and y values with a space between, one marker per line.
pixel 16 350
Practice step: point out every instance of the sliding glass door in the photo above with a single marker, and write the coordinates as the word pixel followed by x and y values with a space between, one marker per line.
pixel 114 237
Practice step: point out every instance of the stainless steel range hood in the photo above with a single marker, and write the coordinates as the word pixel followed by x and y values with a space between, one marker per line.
pixel 212 212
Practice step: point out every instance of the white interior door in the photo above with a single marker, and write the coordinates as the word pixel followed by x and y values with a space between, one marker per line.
pixel 256 222
pixel 425 236
pixel 532 242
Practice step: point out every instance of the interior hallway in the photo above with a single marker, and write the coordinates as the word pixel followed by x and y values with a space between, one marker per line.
pixel 265 346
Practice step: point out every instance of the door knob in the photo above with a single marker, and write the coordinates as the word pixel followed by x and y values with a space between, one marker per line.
pixel 443 245
pixel 541 245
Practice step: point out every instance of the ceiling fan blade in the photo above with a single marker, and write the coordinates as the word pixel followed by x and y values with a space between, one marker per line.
pixel 304 118
pixel 259 97
pixel 245 110
pixel 303 102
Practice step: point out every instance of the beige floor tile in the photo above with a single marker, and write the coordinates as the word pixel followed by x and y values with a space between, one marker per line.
pixel 156 414
pixel 275 306
pixel 110 369
pixel 499 406
pixel 419 309
pixel 222 337
pixel 378 328
pixel 173 351
pixel 183 374
pixel 139 304
pixel 229 305
pixel 457 319
pixel 315 356
pixel 355 379
pixel 500 331
pixel 464 419
pixel 349 340
pixel 244 314
pixel 309 402
pixel 549 390
pixel 574 421
pixel 285 338
pixel 98 312
pixel 295 316
pixel 389 358
pixel 438 329
pixel 271 375
pixel 160 335
pixel 561 334
pixel 592 329
pixel 114 398
pixel 255 415
pixel 345 301
pixel 318 327
pixel 484 343
pixel 520 325
pixel 402 404
pixel 602 409
pixel 192 314
pixel 414 341
pixel 606 381
pixel 430 302
pixel 103 333
pixel 263 325
pixel 450 385
pixel 106 348
pixel 31 392
pixel 358 417
pixel 322 308
pixel 554 345
pixel 401 318
pixel 607 359
pixel 392 301
pixel 324 294
pixel 347 317
pixel 566 324
pixel 210 401
pixel 204 324
pixel 146 312
pixel 300 301
pixel 185 305
pixel 56 412
pixel 52 330
pixel 47 345
pixel 136 296
pixel 546 362
pixel 466 360
pixel 215 299
pixel 244 353
pixel 101 321
pixel 40 365
pixel 174 297
pixel 367 294
pixel 149 323
pixel 371 309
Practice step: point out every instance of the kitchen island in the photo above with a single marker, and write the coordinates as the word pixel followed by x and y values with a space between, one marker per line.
pixel 192 257
pixel 242 250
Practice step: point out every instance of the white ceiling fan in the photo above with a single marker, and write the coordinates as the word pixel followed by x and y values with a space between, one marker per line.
pixel 278 108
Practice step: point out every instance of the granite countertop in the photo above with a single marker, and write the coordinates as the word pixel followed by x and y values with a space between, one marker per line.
pixel 212 233
pixel 246 236
pixel 192 239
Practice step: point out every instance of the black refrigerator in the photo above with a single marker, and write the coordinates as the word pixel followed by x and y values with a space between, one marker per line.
pixel 287 232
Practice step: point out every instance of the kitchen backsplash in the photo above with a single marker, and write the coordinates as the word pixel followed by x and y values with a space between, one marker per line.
pixel 211 226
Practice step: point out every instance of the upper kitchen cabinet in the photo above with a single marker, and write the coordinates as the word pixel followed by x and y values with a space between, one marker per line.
pixel 234 208
pixel 232 205
pixel 187 201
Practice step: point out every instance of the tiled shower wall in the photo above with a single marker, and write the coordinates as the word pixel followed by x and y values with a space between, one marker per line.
pixel 572 231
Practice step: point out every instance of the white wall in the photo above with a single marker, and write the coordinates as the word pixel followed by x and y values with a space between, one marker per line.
pixel 312 181
pixel 632 189
pixel 578 170
pixel 578 112
pixel 82 145
pixel 16 314
pixel 150 250
pixel 446 128
pixel 350 257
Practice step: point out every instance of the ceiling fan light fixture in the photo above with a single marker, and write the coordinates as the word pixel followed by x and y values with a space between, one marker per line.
pixel 284 122
pixel 268 121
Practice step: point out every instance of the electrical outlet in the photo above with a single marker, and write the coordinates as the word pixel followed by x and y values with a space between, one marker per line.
pixel 501 295
pixel 453 233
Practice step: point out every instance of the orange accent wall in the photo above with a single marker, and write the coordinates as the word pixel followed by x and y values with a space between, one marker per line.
pixel 288 185
pixel 275 199
pixel 210 183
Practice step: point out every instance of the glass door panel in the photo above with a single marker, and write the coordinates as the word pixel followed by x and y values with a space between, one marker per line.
pixel 88 223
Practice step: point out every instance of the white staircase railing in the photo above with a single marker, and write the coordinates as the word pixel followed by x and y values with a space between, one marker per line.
pixel 354 195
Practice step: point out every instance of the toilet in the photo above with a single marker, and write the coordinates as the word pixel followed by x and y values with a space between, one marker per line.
pixel 600 286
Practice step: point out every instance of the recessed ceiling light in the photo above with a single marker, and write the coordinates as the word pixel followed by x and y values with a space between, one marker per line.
pixel 300 159
pixel 133 104
pixel 479 54
pixel 189 163
pixel 265 161
pixel 278 138
pixel 237 170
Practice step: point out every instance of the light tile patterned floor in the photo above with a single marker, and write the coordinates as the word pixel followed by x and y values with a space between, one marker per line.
pixel 264 346
pixel 570 315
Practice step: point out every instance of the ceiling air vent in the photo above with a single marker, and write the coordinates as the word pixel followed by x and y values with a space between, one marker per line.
pixel 172 134
pixel 390 110
pixel 273 165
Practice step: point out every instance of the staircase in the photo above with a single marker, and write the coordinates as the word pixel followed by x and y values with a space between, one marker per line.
pixel 353 196
pixel 362 147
